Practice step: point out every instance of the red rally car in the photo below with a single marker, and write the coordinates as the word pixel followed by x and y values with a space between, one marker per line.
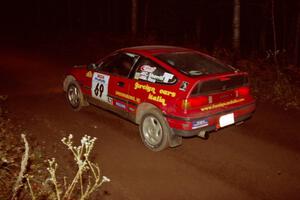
pixel 170 92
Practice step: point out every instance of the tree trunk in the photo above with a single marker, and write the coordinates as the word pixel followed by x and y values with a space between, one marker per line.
pixel 297 40
pixel 236 31
pixel 38 14
pixel 83 16
pixel 284 26
pixel 274 32
pixel 146 18
pixel 236 26
pixel 262 39
pixel 70 17
pixel 265 17
pixel 134 17
pixel 198 29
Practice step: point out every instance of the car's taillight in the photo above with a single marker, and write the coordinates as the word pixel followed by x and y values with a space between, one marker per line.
pixel 194 102
pixel 243 91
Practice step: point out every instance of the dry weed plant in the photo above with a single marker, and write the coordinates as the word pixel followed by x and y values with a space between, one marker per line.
pixel 22 174
pixel 81 155
pixel 85 169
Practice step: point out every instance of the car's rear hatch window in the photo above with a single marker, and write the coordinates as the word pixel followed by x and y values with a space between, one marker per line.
pixel 194 64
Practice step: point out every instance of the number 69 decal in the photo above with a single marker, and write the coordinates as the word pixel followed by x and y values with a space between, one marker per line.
pixel 100 86
pixel 98 91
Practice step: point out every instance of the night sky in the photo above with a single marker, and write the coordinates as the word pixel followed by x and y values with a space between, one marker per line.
pixel 205 22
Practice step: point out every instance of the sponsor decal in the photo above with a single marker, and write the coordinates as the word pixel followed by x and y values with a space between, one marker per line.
pixel 152 96
pixel 144 76
pixel 146 87
pixel 167 93
pixel 153 78
pixel 110 100
pixel 137 75
pixel 131 109
pixel 167 76
pixel 147 74
pixel 183 86
pixel 148 68
pixel 199 123
pixel 89 74
pixel 127 96
pixel 159 99
pixel 121 105
pixel 100 77
pixel 219 105
pixel 164 78
pixel 150 89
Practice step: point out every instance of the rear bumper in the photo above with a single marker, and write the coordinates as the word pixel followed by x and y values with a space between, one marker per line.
pixel 241 113
pixel 195 132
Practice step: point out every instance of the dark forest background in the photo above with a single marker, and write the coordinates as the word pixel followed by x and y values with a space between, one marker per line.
pixel 206 24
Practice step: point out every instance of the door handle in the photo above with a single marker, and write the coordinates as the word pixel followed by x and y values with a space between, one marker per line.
pixel 121 84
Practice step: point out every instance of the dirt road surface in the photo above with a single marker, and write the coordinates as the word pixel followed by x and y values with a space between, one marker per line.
pixel 259 159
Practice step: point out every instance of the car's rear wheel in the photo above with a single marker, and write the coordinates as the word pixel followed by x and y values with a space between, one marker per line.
pixel 154 130
pixel 74 96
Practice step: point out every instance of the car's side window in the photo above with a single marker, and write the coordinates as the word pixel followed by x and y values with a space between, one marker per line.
pixel 148 70
pixel 118 64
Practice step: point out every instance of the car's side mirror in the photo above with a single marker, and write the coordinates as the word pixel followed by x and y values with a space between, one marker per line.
pixel 91 66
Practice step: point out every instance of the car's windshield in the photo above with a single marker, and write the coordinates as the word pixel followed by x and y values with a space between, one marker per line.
pixel 193 64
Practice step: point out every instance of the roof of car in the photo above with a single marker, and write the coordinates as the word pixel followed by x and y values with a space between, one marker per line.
pixel 155 49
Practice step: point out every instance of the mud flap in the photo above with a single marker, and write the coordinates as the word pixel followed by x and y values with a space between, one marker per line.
pixel 174 140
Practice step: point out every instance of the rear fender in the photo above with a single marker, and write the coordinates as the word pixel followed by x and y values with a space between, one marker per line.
pixel 142 110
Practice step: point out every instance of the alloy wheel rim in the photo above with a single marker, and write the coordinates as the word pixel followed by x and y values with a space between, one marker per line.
pixel 73 96
pixel 152 131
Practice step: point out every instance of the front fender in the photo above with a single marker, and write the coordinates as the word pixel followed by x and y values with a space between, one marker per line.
pixel 67 81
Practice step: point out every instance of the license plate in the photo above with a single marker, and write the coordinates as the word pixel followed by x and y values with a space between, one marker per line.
pixel 226 120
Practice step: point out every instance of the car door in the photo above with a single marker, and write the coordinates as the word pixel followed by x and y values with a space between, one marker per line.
pixel 110 83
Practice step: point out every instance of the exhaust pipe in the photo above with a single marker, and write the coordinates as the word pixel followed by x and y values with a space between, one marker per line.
pixel 203 134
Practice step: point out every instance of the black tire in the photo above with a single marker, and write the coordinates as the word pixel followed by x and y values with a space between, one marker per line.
pixel 75 96
pixel 154 130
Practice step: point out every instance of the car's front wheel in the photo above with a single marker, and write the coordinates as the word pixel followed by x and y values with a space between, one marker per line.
pixel 74 96
pixel 154 130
